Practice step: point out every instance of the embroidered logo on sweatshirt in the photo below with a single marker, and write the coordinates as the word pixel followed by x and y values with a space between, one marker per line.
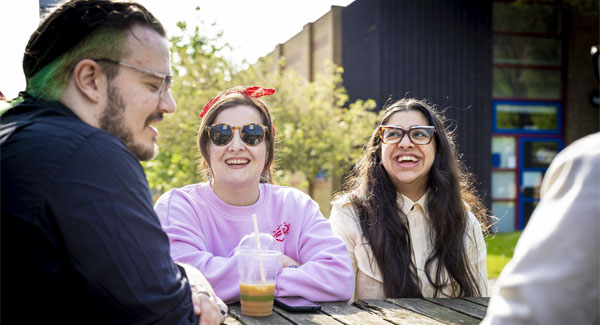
pixel 281 231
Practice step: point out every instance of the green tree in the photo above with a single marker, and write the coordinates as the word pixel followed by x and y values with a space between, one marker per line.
pixel 316 129
pixel 200 72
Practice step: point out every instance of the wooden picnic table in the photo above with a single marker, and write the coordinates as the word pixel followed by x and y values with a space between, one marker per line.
pixel 372 311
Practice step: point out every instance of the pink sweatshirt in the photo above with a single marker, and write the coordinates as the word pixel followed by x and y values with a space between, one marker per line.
pixel 204 232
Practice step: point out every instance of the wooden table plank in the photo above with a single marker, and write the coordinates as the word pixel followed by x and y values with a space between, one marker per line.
pixel 478 300
pixel 350 315
pixel 434 311
pixel 235 311
pixel 394 314
pixel 462 306
pixel 306 318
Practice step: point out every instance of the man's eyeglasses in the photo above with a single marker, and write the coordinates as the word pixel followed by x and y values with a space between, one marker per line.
pixel 167 80
pixel 252 134
pixel 417 134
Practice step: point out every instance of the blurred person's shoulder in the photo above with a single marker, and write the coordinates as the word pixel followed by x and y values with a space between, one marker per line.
pixel 586 149
pixel 581 157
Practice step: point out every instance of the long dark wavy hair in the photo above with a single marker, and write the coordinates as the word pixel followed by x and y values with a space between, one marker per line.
pixel 385 226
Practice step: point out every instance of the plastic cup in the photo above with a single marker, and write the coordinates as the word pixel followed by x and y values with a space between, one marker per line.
pixel 258 273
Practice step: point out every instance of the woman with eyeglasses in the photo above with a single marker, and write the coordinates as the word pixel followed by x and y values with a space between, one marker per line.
pixel 206 221
pixel 406 212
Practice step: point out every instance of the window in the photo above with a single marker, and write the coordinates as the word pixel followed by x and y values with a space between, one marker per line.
pixel 505 214
pixel 539 154
pixel 526 83
pixel 527 100
pixel 518 17
pixel 530 117
pixel 526 50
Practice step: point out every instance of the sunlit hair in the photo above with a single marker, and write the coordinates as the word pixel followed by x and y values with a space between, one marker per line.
pixel 227 99
pixel 77 30
pixel 385 226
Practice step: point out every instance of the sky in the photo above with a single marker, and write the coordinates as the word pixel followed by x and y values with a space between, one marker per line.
pixel 252 28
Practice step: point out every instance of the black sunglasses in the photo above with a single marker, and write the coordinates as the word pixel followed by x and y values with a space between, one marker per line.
pixel 252 134
pixel 417 134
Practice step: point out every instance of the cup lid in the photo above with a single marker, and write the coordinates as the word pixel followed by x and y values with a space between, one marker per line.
pixel 268 245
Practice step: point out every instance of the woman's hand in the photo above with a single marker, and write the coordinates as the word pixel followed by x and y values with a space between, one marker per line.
pixel 287 261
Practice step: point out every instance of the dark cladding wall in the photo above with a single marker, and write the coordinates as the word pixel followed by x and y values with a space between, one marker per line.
pixel 440 50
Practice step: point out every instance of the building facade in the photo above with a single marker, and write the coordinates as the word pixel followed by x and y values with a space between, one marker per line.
pixel 515 79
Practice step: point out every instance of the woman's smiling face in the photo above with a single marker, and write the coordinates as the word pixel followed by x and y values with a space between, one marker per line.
pixel 408 164
pixel 236 163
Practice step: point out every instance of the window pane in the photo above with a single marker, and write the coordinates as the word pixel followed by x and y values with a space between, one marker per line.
pixel 539 154
pixel 531 183
pixel 525 18
pixel 527 116
pixel 526 50
pixel 503 185
pixel 503 152
pixel 526 83
pixel 505 212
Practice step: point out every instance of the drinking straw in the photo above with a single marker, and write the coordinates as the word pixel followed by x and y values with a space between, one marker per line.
pixel 260 263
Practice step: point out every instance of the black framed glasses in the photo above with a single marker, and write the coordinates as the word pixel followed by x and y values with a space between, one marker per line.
pixel 417 134
pixel 167 80
pixel 252 134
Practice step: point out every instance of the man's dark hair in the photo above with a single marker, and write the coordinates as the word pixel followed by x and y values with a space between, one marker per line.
pixel 74 31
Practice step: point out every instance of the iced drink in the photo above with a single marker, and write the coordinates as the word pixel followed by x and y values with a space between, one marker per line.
pixel 257 298
pixel 258 273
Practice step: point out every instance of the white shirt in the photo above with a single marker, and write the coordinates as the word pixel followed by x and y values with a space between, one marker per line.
pixel 368 277
pixel 554 277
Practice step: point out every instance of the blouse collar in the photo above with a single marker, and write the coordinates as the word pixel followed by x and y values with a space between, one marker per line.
pixel 407 205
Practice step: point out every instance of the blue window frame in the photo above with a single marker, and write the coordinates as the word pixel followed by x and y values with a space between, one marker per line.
pixel 535 153
pixel 527 117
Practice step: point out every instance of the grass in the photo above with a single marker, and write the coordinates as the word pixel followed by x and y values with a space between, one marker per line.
pixel 500 250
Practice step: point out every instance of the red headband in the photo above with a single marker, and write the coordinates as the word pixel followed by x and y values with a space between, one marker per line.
pixel 253 92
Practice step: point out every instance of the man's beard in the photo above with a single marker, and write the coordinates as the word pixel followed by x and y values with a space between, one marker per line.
pixel 113 121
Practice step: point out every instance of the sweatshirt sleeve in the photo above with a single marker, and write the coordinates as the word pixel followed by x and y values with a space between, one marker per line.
pixel 180 217
pixel 326 270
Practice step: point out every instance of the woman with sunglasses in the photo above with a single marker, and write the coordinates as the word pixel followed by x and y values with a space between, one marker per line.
pixel 406 212
pixel 206 221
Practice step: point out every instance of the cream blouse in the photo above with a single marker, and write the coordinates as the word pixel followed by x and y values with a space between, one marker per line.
pixel 368 278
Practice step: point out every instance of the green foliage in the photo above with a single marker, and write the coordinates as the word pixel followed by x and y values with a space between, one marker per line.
pixel 500 250
pixel 315 131
pixel 200 73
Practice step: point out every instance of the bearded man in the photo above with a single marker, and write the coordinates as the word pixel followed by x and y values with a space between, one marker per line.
pixel 81 242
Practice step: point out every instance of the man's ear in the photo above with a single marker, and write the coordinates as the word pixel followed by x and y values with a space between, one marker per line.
pixel 90 80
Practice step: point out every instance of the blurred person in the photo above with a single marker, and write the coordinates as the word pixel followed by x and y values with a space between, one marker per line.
pixel 554 275
pixel 206 221
pixel 405 211
pixel 80 240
